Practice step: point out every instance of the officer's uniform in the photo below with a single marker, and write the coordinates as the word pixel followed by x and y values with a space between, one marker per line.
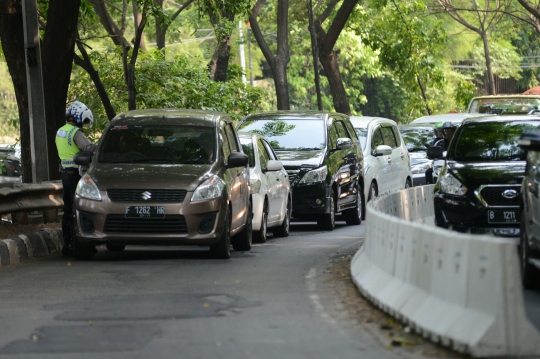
pixel 70 141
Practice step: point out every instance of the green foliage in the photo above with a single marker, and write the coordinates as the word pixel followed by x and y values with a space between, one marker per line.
pixel 178 83
pixel 464 93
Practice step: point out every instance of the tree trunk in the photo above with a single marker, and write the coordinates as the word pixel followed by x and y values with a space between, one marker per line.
pixel 282 85
pixel 87 65
pixel 137 17
pixel 331 68
pixel 491 79
pixel 58 50
pixel 315 54
pixel 12 38
pixel 424 96
pixel 108 23
pixel 220 60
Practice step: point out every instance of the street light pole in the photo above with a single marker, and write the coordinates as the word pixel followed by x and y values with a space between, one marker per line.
pixel 36 100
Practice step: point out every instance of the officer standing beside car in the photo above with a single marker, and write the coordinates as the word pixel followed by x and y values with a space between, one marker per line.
pixel 70 141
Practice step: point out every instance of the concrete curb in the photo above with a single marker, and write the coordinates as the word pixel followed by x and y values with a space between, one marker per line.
pixel 26 247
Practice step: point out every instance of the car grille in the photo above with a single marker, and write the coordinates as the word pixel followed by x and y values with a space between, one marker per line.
pixel 492 196
pixel 117 223
pixel 151 195
pixel 292 175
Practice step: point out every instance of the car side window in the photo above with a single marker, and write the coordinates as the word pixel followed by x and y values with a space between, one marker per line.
pixel 350 129
pixel 231 137
pixel 388 136
pixel 224 142
pixel 396 135
pixel 342 133
pixel 269 151
pixel 376 139
pixel 263 155
pixel 333 136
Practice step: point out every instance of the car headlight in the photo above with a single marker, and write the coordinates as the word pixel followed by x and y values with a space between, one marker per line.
pixel 317 175
pixel 86 188
pixel 255 184
pixel 420 168
pixel 209 189
pixel 449 184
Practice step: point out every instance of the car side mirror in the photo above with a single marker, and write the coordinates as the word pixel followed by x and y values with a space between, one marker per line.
pixel 530 141
pixel 435 152
pixel 83 158
pixel 382 150
pixel 237 159
pixel 273 165
pixel 343 143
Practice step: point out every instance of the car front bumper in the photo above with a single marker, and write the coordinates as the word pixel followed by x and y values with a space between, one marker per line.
pixel 104 222
pixel 310 200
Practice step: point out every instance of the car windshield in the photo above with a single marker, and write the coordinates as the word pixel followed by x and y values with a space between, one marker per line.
pixel 247 146
pixel 362 135
pixel 175 144
pixel 417 138
pixel 490 141
pixel 504 106
pixel 289 134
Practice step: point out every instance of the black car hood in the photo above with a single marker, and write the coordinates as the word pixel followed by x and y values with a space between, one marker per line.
pixel 295 159
pixel 473 174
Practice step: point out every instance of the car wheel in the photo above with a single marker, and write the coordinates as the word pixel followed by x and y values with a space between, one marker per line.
pixel 260 236
pixel 529 273
pixel 81 251
pixel 408 183
pixel 354 215
pixel 222 249
pixel 372 191
pixel 115 247
pixel 328 221
pixel 243 240
pixel 285 228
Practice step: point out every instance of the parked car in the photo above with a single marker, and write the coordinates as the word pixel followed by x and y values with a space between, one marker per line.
pixel 529 244
pixel 386 159
pixel 10 164
pixel 271 191
pixel 418 138
pixel 479 185
pixel 323 158
pixel 504 104
pixel 162 177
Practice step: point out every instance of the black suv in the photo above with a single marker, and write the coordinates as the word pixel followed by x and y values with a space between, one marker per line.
pixel 479 185
pixel 529 244
pixel 323 157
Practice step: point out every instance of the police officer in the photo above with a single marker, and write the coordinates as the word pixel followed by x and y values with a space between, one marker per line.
pixel 69 141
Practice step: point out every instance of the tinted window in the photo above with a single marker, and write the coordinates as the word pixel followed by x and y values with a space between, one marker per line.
pixel 269 150
pixel 504 106
pixel 263 156
pixel 247 147
pixel 342 133
pixel 388 136
pixel 350 129
pixel 224 142
pixel 158 144
pixel 490 141
pixel 396 136
pixel 231 136
pixel 290 134
pixel 417 138
pixel 334 135
pixel 377 138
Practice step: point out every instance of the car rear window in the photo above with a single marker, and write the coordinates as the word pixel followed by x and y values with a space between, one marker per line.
pixel 490 141
pixel 289 134
pixel 504 105
pixel 417 139
pixel 158 144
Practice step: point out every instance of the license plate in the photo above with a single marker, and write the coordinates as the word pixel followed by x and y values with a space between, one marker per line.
pixel 503 216
pixel 145 211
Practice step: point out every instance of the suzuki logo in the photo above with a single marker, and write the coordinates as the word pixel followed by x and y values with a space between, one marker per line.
pixel 509 194
pixel 146 195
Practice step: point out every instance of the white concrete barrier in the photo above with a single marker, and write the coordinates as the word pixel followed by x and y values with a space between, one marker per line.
pixel 460 290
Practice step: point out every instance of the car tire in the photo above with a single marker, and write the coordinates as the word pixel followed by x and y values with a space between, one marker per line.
pixel 354 215
pixel 115 247
pixel 328 221
pixel 222 249
pixel 372 191
pixel 243 240
pixel 285 228
pixel 529 273
pixel 260 235
pixel 81 251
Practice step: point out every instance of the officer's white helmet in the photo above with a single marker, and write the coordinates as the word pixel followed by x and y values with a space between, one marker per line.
pixel 81 113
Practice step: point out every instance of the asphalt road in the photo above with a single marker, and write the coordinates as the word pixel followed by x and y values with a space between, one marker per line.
pixel 177 302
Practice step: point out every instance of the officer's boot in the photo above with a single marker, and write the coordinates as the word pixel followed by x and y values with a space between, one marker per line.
pixel 67 248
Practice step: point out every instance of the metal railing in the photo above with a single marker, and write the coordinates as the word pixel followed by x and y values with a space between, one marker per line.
pixel 18 199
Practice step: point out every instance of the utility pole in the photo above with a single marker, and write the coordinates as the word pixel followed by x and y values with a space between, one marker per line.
pixel 242 56
pixel 36 100
pixel 249 54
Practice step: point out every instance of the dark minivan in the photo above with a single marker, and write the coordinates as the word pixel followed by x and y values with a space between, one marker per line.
pixel 479 186
pixel 323 158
